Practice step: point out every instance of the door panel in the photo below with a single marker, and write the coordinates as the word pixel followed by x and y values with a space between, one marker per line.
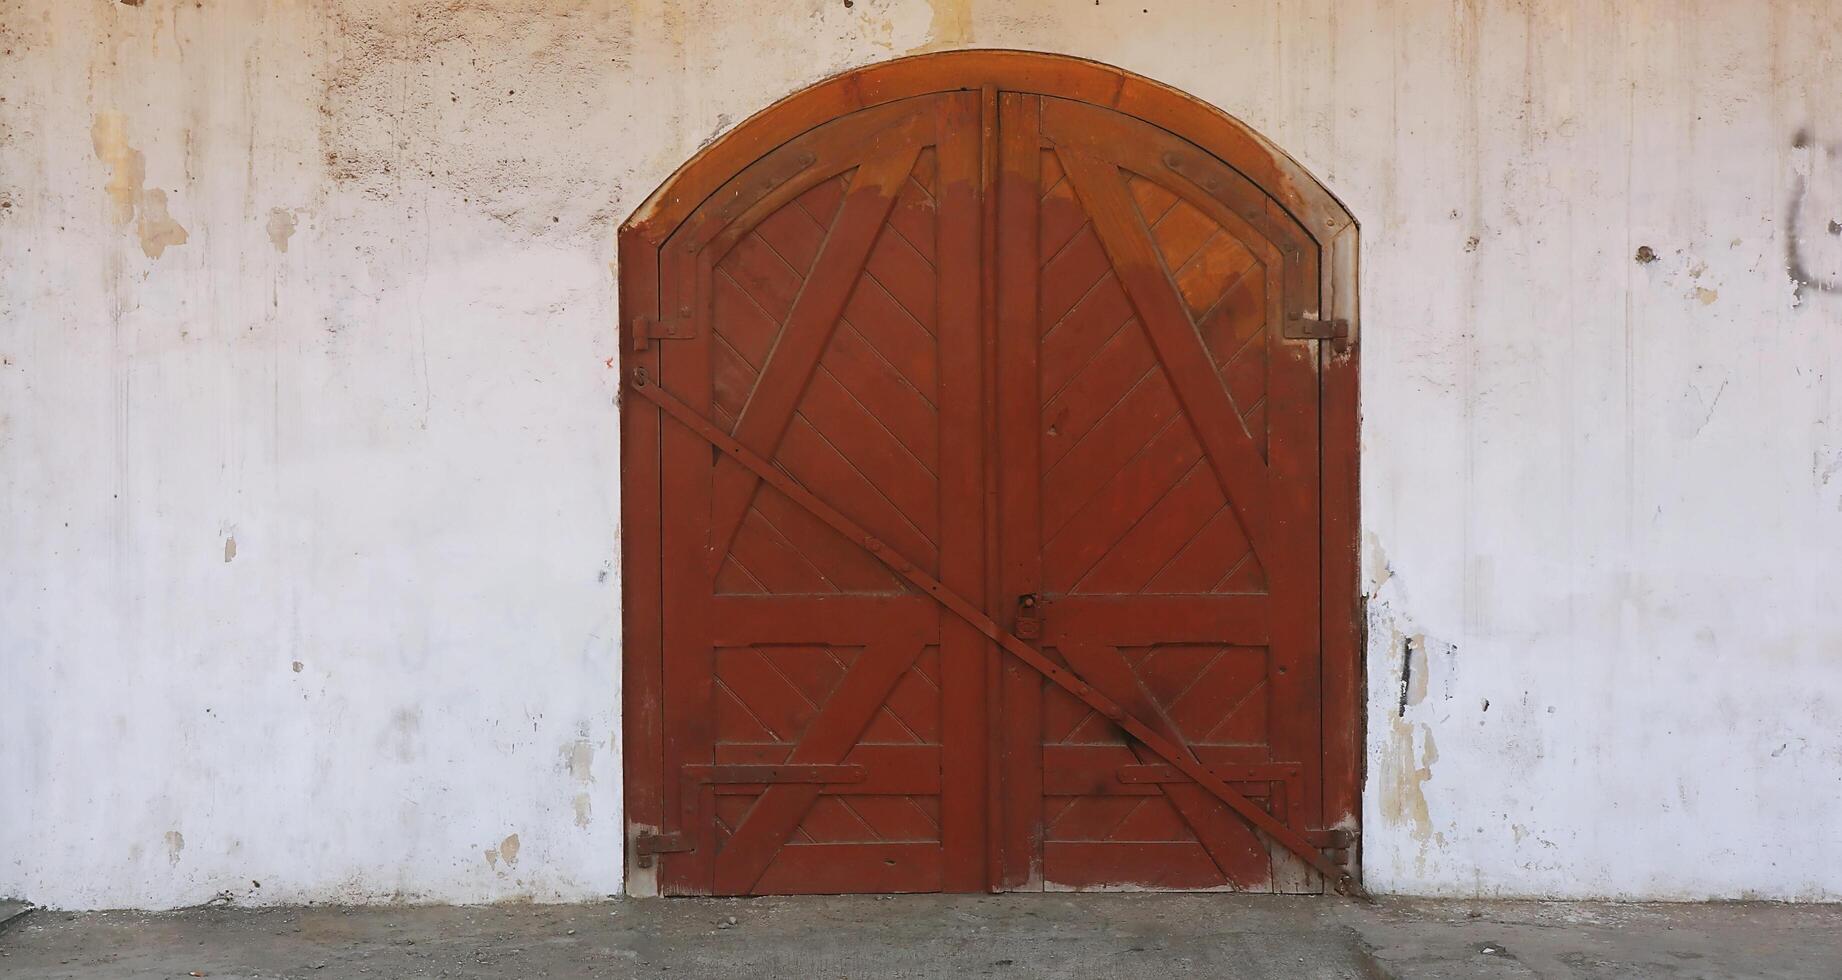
pixel 828 332
pixel 1033 348
pixel 1174 429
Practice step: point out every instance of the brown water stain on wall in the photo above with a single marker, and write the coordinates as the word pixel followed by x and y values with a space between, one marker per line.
pixel 579 759
pixel 129 200
pixel 1403 788
pixel 951 26
pixel 281 228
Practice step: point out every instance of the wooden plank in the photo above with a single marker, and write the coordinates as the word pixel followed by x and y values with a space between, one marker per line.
pixel 1123 364
pixel 1141 620
pixel 1151 543
pixel 849 620
pixel 828 738
pixel 832 869
pixel 1340 640
pixel 1080 335
pixel 1105 865
pixel 641 595
pixel 689 672
pixel 1238 855
pixel 898 406
pixel 874 452
pixel 964 655
pixel 1017 823
pixel 807 332
pixel 1122 500
pixel 1180 350
pixel 1293 577
pixel 766 774
pixel 824 468
pixel 889 770
pixel 764 561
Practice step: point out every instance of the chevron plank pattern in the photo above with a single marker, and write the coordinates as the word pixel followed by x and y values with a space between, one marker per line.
pixel 865 433
pixel 1123 513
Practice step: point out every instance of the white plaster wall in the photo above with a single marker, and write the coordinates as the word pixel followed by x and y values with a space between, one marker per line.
pixel 1602 499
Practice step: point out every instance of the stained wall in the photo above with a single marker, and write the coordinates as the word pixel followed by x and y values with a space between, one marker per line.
pixel 308 440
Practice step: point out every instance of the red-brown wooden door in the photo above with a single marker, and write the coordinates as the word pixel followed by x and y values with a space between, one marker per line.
pixel 830 294
pixel 1159 493
pixel 1035 348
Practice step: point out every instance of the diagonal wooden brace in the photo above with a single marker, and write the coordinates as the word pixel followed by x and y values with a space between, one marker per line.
pixel 1338 878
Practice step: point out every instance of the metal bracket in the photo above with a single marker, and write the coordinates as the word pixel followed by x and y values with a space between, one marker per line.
pixel 1336 844
pixel 1301 327
pixel 645 845
pixel 648 328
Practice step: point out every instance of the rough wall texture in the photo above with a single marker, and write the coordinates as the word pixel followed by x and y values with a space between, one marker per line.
pixel 308 460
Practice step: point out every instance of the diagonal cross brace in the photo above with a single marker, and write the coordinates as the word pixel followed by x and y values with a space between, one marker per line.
pixel 1339 879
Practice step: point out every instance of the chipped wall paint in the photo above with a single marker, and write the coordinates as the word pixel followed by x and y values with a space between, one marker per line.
pixel 326 289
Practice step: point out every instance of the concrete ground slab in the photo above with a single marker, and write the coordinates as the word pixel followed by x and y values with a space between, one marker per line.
pixel 1013 936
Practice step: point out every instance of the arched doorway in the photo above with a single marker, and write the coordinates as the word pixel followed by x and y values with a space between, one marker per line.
pixel 988 470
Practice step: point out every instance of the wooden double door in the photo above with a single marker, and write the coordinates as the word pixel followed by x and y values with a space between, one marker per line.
pixel 1035 349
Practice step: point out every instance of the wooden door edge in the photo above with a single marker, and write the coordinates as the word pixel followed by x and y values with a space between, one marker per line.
pixel 1341 602
pixel 641 581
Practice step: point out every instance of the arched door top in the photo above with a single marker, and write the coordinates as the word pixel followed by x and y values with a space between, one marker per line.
pixel 1060 76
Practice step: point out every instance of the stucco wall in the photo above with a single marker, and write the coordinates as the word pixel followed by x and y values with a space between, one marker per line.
pixel 308 446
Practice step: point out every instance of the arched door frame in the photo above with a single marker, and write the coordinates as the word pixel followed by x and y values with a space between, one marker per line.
pixel 1290 185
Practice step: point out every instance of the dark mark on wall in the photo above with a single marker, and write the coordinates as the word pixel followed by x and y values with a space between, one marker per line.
pixel 1646 255
pixel 1816 200
pixel 1406 672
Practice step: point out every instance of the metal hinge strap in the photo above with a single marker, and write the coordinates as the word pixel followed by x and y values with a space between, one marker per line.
pixel 645 845
pixel 1301 327
pixel 648 328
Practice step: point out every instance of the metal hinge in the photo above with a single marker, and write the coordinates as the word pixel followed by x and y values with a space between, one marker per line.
pixel 1337 844
pixel 1301 327
pixel 648 328
pixel 646 844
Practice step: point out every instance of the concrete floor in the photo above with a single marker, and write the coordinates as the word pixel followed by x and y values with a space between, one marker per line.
pixel 1002 937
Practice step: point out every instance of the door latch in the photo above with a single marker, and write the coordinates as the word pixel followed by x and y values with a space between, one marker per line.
pixel 1029 617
